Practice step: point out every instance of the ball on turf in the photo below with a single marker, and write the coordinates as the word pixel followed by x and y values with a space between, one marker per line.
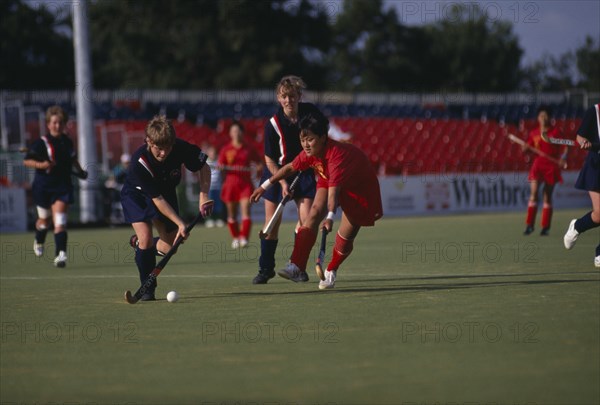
pixel 172 296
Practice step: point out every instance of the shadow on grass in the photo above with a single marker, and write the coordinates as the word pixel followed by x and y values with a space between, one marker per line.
pixel 409 287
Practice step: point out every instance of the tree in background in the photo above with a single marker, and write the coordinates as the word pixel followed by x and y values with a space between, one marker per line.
pixel 33 54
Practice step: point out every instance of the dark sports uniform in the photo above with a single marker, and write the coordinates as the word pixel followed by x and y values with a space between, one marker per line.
pixel 148 178
pixel 54 184
pixel 589 176
pixel 282 145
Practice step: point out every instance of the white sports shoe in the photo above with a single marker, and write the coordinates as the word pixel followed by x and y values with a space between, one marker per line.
pixel 291 272
pixel 571 235
pixel 61 259
pixel 235 244
pixel 38 249
pixel 243 242
pixel 209 223
pixel 329 281
pixel 597 261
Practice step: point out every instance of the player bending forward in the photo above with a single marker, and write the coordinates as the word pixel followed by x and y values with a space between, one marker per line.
pixel 149 198
pixel 346 179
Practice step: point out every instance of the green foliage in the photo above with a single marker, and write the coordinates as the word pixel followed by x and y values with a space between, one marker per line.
pixel 242 44
pixel 33 54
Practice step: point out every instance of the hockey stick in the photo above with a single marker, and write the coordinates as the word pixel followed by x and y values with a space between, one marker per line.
pixel 133 298
pixel 321 257
pixel 279 210
pixel 33 155
pixel 521 142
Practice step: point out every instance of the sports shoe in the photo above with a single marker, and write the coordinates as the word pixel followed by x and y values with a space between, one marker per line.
pixel 220 223
pixel 38 249
pixel 263 277
pixel 243 242
pixel 545 232
pixel 293 273
pixel 528 230
pixel 571 235
pixel 61 259
pixel 235 244
pixel 149 296
pixel 209 223
pixel 329 281
pixel 597 261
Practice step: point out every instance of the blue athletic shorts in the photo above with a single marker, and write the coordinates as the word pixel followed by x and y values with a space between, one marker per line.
pixel 137 207
pixel 306 186
pixel 589 176
pixel 46 196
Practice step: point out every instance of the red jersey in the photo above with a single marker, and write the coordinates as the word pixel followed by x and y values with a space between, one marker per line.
pixel 347 167
pixel 543 169
pixel 237 184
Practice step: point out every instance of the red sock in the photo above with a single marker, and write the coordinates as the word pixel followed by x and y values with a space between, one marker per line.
pixel 341 250
pixel 246 226
pixel 531 213
pixel 305 240
pixel 233 228
pixel 546 215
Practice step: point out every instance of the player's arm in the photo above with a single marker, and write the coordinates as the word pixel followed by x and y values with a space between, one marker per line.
pixel 279 175
pixel 36 164
pixel 78 170
pixel 333 198
pixel 165 208
pixel 206 204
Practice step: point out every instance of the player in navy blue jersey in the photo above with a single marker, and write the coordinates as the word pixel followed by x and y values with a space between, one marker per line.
pixel 588 138
pixel 282 145
pixel 149 197
pixel 54 159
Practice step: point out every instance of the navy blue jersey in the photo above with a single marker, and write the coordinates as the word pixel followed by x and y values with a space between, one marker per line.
pixel 154 178
pixel 589 128
pixel 282 137
pixel 57 149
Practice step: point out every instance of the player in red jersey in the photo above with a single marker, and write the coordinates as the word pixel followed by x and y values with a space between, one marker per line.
pixel 543 170
pixel 235 159
pixel 346 179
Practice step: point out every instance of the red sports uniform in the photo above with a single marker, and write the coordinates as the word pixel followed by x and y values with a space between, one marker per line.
pixel 346 166
pixel 544 170
pixel 238 181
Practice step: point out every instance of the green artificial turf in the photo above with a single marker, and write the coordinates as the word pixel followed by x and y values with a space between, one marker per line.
pixel 457 309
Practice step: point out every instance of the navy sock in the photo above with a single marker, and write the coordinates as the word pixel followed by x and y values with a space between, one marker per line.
pixel 60 239
pixel 266 261
pixel 146 261
pixel 40 235
pixel 598 250
pixel 585 223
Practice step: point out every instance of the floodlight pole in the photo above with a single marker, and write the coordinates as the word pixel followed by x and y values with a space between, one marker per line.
pixel 84 91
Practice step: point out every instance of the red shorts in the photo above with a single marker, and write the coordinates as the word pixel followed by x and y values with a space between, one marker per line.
pixel 235 190
pixel 361 204
pixel 545 172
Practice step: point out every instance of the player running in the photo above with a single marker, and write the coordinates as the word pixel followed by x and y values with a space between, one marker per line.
pixel 282 145
pixel 234 160
pixel 543 170
pixel 149 198
pixel 54 159
pixel 346 179
pixel 588 138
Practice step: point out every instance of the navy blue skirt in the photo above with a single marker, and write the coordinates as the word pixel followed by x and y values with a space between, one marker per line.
pixel 137 207
pixel 589 176
pixel 306 186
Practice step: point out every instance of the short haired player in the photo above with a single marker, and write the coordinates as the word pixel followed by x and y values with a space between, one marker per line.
pixel 234 160
pixel 149 197
pixel 54 158
pixel 346 180
pixel 282 145
pixel 543 170
pixel 588 138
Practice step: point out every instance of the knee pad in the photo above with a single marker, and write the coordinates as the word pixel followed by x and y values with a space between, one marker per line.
pixel 43 213
pixel 60 219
